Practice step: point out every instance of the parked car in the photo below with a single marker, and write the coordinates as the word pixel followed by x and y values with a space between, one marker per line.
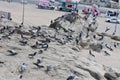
pixel 24 1
pixel 86 10
pixel 113 20
pixel 92 10
pixel 46 6
pixel 112 13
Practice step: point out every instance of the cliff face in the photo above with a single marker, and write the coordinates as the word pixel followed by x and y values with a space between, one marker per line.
pixel 73 45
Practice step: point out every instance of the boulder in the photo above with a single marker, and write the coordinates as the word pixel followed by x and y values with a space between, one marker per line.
pixel 112 76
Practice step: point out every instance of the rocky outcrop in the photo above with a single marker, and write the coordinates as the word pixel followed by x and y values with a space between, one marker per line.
pixel 112 76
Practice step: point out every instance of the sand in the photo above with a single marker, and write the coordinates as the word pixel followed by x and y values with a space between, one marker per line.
pixel 62 57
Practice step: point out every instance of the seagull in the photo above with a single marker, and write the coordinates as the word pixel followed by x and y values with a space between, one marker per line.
pixel 12 52
pixel 22 67
pixel 32 55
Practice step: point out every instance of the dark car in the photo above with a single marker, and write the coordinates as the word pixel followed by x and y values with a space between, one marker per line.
pixel 112 13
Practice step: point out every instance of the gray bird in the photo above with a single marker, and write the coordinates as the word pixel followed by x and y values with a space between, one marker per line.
pixel 106 53
pixel 72 76
pixel 108 47
pixel 90 52
pixel 22 68
pixel 12 53
pixel 107 29
pixel 19 77
pixel 49 68
pixel 32 55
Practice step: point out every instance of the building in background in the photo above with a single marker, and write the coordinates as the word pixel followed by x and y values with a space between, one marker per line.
pixel 102 3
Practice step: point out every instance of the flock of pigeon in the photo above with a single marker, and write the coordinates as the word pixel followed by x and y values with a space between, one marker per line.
pixel 7 31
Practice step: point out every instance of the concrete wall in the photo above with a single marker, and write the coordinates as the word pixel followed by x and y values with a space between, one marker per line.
pixel 7 15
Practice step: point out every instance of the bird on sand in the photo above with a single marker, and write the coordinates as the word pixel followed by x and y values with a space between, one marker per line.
pixel 12 53
pixel 32 55
pixel 49 68
pixel 91 53
pixel 22 68
pixel 19 77
pixel 1 62
pixel 39 66
pixel 106 53
pixel 107 29
pixel 39 60
pixel 72 76
pixel 108 47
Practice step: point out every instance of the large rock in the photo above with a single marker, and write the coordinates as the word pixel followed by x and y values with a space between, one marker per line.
pixel 96 47
pixel 112 76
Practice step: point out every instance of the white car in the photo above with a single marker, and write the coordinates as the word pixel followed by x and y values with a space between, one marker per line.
pixel 113 20
pixel 24 1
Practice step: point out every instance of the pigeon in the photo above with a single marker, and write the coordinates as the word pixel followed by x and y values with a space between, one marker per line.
pixel 106 53
pixel 22 67
pixel 39 66
pixel 12 52
pixel 72 76
pixel 108 47
pixel 77 40
pixel 91 53
pixel 19 77
pixel 115 45
pixel 101 37
pixel 49 67
pixel 41 51
pixel 1 62
pixel 23 37
pixel 34 46
pixel 62 41
pixel 45 46
pixel 94 36
pixel 32 55
pixel 23 41
pixel 80 35
pixel 107 29
pixel 39 60
pixel 113 33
